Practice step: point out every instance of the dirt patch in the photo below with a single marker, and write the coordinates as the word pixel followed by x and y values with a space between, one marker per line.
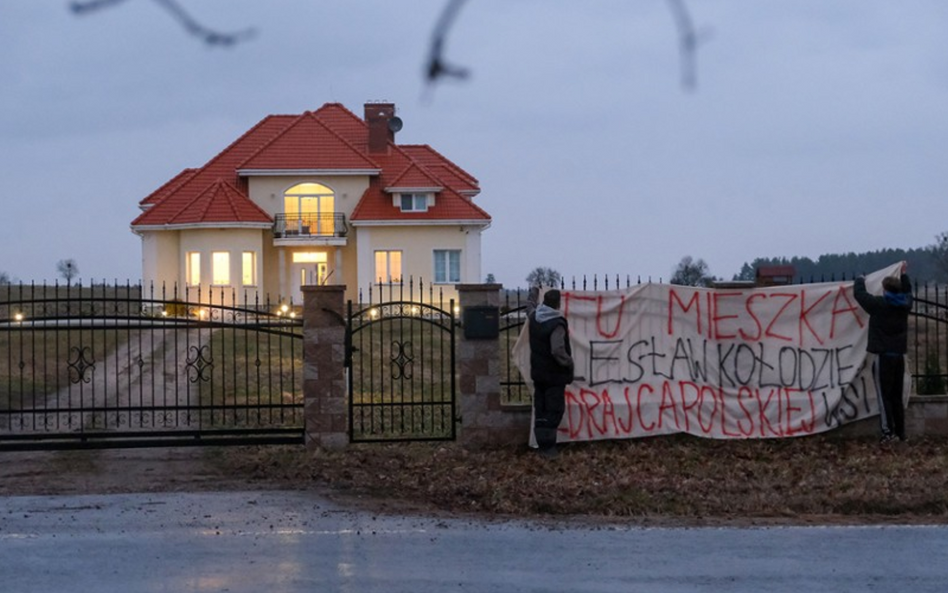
pixel 669 480
pixel 180 469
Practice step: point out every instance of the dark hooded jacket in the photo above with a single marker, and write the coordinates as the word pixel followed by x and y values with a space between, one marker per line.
pixel 551 360
pixel 888 317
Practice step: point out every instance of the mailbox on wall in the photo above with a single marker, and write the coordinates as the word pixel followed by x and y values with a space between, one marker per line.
pixel 481 322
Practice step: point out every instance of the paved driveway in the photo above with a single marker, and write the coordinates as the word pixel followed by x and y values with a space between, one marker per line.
pixel 294 541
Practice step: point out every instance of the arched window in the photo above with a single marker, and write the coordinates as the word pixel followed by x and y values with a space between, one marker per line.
pixel 309 208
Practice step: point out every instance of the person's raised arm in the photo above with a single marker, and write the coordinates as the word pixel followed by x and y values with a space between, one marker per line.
pixel 533 299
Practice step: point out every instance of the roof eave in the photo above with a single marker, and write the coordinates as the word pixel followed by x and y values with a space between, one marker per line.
pixel 422 222
pixel 138 228
pixel 406 189
pixel 299 172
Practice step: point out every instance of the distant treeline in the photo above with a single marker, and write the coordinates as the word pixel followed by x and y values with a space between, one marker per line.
pixel 923 264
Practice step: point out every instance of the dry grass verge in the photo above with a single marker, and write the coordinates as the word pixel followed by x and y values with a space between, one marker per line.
pixel 814 479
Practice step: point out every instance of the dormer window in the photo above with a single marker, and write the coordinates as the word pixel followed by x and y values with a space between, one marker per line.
pixel 416 202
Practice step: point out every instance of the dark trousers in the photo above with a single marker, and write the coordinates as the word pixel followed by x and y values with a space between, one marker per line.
pixel 889 371
pixel 549 404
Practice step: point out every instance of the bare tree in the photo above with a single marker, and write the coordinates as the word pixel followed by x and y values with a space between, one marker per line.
pixel 68 269
pixel 5 279
pixel 541 276
pixel 692 272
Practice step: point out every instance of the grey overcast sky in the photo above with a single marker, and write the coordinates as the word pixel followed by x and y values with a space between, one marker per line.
pixel 816 127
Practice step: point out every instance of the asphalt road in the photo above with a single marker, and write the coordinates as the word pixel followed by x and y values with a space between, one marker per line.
pixel 294 541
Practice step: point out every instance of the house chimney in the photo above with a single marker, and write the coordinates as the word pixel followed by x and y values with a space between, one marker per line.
pixel 378 116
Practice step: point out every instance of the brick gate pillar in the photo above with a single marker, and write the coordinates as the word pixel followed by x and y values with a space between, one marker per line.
pixel 325 391
pixel 483 419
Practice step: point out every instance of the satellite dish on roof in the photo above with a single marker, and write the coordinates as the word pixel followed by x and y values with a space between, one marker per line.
pixel 395 124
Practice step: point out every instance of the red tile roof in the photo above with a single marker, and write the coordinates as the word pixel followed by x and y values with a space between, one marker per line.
pixel 308 143
pixel 457 177
pixel 331 138
pixel 223 166
pixel 220 202
pixel 416 177
pixel 169 187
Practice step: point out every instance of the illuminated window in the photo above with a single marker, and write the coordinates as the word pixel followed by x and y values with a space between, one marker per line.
pixel 447 265
pixel 309 209
pixel 249 268
pixel 309 257
pixel 192 272
pixel 220 268
pixel 413 202
pixel 388 267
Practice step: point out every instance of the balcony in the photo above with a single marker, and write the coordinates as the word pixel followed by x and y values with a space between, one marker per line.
pixel 310 229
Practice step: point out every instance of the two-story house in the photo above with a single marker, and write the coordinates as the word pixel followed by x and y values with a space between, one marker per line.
pixel 319 198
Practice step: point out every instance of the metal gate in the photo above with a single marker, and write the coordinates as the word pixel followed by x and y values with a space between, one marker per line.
pixel 106 366
pixel 400 365
pixel 513 389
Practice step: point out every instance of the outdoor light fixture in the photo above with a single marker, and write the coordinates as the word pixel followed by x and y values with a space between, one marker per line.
pixel 373 313
pixel 284 308
pixel 18 317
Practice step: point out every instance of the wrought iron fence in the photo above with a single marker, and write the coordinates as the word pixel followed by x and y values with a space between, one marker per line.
pixel 513 314
pixel 928 340
pixel 401 365
pixel 290 226
pixel 109 366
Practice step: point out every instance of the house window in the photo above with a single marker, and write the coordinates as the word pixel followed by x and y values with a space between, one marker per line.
pixel 249 268
pixel 308 209
pixel 220 268
pixel 388 267
pixel 413 202
pixel 309 257
pixel 447 265
pixel 192 262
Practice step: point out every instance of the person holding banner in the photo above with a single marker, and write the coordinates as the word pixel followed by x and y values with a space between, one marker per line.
pixel 551 366
pixel 888 340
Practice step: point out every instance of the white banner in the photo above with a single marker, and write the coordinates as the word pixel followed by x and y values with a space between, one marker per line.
pixel 721 363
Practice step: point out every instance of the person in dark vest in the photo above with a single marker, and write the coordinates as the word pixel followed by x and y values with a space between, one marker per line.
pixel 888 340
pixel 551 366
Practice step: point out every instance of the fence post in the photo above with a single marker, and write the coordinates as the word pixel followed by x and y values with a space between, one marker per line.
pixel 325 392
pixel 483 419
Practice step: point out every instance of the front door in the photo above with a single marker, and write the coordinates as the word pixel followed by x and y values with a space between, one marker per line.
pixel 307 269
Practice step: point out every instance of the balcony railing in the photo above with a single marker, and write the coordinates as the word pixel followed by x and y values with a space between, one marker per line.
pixel 293 226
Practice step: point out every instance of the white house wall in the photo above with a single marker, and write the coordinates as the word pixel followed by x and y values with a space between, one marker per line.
pixel 417 244
pixel 159 261
pixel 472 255
pixel 353 265
pixel 233 241
pixel 267 192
